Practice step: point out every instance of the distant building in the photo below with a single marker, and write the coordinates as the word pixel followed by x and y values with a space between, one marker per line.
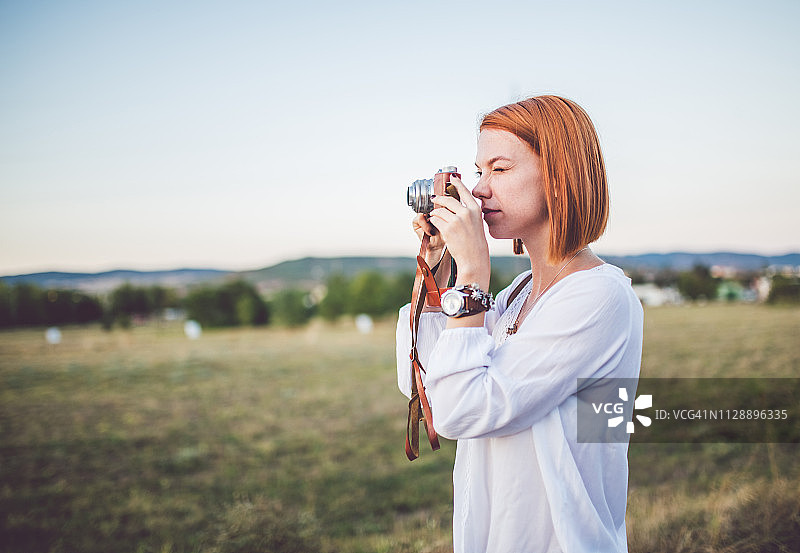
pixel 784 270
pixel 762 287
pixel 651 295
pixel 722 271
pixel 731 290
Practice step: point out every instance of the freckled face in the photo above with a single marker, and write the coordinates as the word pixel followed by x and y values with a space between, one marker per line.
pixel 510 186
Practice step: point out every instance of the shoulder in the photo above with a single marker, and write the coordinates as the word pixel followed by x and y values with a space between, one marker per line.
pixel 601 290
pixel 605 278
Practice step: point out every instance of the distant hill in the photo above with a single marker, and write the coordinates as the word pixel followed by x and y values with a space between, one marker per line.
pixel 680 261
pixel 317 269
pixel 108 280
pixel 309 271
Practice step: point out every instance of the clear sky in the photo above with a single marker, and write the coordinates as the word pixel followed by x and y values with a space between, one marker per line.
pixel 239 134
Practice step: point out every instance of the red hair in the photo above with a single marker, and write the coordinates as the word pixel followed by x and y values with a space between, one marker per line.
pixel 564 138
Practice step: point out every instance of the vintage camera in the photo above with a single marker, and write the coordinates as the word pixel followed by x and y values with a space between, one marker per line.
pixel 420 192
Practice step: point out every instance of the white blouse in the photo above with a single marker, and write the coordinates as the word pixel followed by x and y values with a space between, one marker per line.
pixel 522 482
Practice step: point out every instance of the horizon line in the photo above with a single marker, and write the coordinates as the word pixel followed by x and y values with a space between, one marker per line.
pixel 260 268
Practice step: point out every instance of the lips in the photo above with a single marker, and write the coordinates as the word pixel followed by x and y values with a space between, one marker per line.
pixel 489 213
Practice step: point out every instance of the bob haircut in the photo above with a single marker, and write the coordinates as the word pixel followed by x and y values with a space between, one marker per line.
pixel 562 135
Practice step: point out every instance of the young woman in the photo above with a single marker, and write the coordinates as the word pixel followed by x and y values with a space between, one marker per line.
pixel 503 381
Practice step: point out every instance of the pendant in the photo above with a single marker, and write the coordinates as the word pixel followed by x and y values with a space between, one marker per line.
pixel 512 329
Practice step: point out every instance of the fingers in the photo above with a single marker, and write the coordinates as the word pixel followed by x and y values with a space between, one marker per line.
pixel 446 203
pixel 422 223
pixel 441 215
pixel 448 209
pixel 452 220
pixel 466 202
pixel 466 195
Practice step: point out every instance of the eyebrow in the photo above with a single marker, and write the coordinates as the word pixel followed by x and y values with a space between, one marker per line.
pixel 493 160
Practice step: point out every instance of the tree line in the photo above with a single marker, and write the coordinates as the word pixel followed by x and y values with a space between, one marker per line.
pixel 28 305
pixel 238 302
pixel 232 303
pixel 25 304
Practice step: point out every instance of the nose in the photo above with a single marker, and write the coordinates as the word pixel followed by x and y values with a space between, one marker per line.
pixel 481 190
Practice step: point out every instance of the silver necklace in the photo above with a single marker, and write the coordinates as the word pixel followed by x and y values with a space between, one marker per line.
pixel 522 312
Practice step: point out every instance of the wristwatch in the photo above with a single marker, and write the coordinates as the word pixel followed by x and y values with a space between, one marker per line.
pixel 467 299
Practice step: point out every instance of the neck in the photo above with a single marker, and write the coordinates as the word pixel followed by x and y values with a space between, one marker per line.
pixel 544 274
pixel 541 271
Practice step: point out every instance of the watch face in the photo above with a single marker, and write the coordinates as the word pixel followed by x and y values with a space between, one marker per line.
pixel 451 302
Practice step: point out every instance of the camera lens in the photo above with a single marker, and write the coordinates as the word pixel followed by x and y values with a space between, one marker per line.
pixel 419 195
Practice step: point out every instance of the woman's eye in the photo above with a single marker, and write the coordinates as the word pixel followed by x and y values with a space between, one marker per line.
pixel 478 174
pixel 498 169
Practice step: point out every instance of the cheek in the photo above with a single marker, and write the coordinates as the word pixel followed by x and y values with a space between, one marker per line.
pixel 530 200
pixel 536 199
pixel 531 209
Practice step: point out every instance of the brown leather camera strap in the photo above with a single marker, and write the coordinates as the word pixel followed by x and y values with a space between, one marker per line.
pixel 518 289
pixel 425 291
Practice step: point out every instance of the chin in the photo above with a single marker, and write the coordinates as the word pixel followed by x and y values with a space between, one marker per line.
pixel 498 233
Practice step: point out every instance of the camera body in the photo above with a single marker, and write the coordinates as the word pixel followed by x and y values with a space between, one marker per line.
pixel 419 193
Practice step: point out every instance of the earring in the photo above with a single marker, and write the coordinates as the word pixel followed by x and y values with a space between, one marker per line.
pixel 517 242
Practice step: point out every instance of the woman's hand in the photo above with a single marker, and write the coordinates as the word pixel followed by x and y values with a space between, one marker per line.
pixel 460 226
pixel 422 226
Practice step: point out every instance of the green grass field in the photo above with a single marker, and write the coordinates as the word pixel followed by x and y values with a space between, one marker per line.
pixel 292 440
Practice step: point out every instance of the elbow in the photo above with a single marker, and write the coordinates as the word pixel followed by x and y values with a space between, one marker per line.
pixel 461 409
pixel 447 421
pixel 459 428
pixel 446 428
pixel 455 424
pixel 467 416
pixel 448 431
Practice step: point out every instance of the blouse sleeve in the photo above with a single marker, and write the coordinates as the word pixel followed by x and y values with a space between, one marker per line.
pixel 478 390
pixel 431 326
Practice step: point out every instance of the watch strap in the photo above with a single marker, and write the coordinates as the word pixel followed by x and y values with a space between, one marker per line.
pixel 474 300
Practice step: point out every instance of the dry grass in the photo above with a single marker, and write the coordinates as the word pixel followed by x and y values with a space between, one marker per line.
pixel 737 515
pixel 721 340
pixel 292 440
pixel 723 498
